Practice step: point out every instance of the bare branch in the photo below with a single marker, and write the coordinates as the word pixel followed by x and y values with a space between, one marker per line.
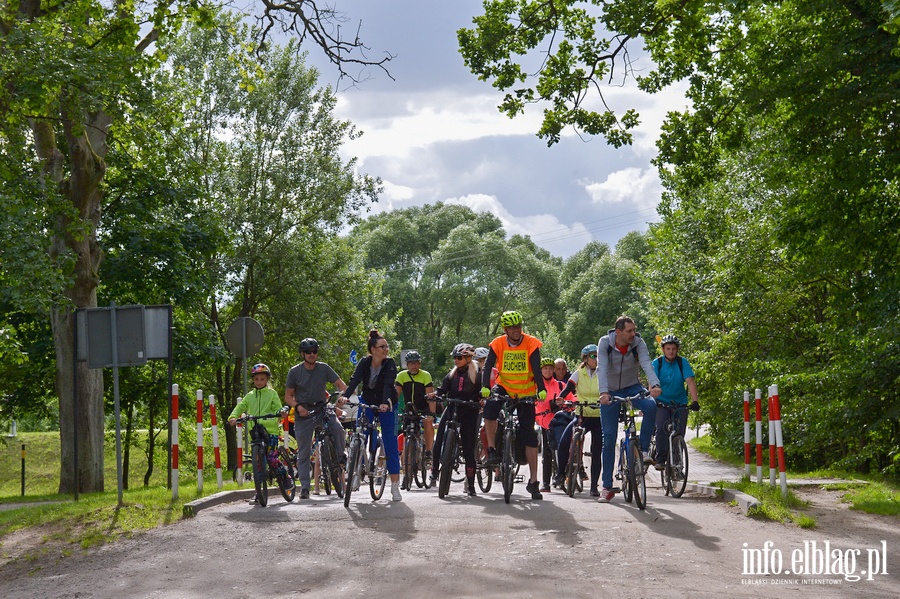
pixel 323 26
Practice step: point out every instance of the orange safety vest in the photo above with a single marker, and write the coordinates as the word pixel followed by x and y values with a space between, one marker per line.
pixel 513 365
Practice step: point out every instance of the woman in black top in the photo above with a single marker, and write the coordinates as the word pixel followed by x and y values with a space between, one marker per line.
pixel 462 383
pixel 378 373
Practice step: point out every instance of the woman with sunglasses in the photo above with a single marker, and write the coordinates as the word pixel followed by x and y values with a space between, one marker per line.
pixel 378 374
pixel 585 385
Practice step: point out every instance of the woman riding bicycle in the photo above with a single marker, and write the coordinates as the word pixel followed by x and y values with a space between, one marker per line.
pixel 263 399
pixel 378 374
pixel 674 373
pixel 584 383
pixel 461 383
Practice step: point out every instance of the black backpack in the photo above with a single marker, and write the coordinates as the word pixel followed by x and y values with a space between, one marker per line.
pixel 634 350
pixel 658 361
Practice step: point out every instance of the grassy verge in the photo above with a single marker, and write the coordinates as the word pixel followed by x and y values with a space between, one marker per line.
pixel 772 504
pixel 868 494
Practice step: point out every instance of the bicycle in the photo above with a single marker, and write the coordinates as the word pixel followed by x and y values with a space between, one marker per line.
pixel 260 456
pixel 365 463
pixel 451 449
pixel 325 448
pixel 575 465
pixel 483 472
pixel 415 467
pixel 631 462
pixel 675 471
pixel 508 427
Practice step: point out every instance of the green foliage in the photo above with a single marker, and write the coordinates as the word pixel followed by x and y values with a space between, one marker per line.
pixel 449 273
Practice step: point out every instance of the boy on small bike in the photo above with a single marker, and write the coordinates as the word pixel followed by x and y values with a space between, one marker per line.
pixel 263 399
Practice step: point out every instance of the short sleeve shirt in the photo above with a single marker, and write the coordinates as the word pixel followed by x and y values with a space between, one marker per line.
pixel 310 385
pixel 671 381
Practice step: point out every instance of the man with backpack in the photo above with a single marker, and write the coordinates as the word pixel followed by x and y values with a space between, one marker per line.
pixel 625 354
pixel 674 372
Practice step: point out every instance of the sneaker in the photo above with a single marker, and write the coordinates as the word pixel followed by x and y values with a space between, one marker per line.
pixel 427 455
pixel 648 461
pixel 395 493
pixel 660 466
pixel 582 474
pixel 470 488
pixel 559 484
pixel 253 501
pixel 317 492
pixel 606 496
pixel 532 488
pixel 595 492
pixel 545 488
pixel 304 493
pixel 493 457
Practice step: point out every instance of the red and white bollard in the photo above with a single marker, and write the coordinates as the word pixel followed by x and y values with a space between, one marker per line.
pixel 747 449
pixel 771 440
pixel 215 439
pixel 173 441
pixel 239 431
pixel 775 417
pixel 759 445
pixel 199 441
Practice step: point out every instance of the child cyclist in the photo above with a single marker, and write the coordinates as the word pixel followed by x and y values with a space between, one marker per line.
pixel 263 399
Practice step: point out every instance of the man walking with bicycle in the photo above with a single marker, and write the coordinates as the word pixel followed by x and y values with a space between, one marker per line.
pixel 518 360
pixel 625 353
pixel 305 389
pixel 674 373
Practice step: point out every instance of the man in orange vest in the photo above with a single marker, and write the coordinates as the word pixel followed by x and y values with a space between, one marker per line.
pixel 517 357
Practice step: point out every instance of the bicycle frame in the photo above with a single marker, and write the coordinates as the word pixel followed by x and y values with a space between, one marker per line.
pixel 675 472
pixel 573 482
pixel 631 467
pixel 365 463
pixel 260 454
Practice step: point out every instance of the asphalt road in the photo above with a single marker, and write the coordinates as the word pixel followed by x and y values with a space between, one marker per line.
pixel 468 547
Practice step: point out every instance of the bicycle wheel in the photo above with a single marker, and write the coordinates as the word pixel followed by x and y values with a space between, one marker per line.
pixel 572 474
pixel 638 481
pixel 484 474
pixel 579 463
pixel 410 450
pixel 260 473
pixel 331 468
pixel 679 465
pixel 448 461
pixel 625 473
pixel 354 470
pixel 286 483
pixel 459 466
pixel 508 463
pixel 423 467
pixel 379 471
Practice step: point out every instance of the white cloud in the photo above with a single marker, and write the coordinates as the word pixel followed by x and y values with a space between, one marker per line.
pixel 560 239
pixel 638 187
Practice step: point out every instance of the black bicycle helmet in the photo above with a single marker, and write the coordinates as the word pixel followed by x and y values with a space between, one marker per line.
pixel 413 356
pixel 309 344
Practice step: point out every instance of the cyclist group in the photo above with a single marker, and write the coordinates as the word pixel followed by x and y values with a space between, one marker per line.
pixel 510 371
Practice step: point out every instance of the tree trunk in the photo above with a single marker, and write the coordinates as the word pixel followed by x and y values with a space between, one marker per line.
pixel 75 239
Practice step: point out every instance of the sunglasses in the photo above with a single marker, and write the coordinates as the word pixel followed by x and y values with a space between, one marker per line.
pixel 310 351
pixel 381 347
pixel 594 356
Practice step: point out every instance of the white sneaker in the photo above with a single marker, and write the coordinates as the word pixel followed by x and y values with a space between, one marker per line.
pixel 395 493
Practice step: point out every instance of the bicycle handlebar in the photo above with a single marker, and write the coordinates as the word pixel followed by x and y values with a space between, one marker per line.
pixel 641 395
pixel 248 418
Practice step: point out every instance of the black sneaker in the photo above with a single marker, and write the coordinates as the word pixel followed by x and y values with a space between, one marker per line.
pixel 532 488
pixel 545 489
pixel 493 457
pixel 304 493
pixel 595 492
pixel 253 501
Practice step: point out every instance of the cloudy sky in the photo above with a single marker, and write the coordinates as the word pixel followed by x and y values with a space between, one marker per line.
pixel 435 134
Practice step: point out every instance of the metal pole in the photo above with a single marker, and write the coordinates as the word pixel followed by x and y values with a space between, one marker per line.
pixel 169 404
pixel 75 400
pixel 115 354
pixel 23 470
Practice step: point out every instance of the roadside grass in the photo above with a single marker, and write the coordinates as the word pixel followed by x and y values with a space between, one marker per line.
pixel 865 493
pixel 95 519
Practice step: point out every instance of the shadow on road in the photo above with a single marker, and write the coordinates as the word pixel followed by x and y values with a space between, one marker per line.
pixel 393 518
pixel 668 523
pixel 535 515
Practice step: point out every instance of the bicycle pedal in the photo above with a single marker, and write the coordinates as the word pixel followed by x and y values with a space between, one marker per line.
pixel 520 478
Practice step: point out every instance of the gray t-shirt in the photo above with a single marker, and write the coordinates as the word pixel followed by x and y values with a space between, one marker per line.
pixel 310 385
